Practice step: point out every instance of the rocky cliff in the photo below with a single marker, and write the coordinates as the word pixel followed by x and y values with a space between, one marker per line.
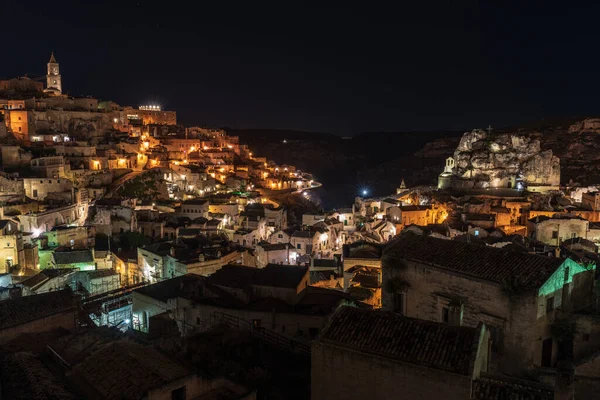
pixel 501 160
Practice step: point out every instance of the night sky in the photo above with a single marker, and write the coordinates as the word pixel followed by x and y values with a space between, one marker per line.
pixel 339 70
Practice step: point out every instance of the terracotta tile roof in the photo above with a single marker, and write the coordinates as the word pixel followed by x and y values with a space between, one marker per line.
pixel 101 273
pixel 171 288
pixel 127 370
pixel 24 377
pixel 488 263
pixel 488 388
pixel 274 275
pixel 389 335
pixel 29 308
pixel 73 257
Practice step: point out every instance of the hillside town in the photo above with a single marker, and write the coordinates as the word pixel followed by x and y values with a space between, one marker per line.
pixel 140 258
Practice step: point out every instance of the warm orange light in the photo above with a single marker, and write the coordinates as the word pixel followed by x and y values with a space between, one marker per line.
pixel 205 147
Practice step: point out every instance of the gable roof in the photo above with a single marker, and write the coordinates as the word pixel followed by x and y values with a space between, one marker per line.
pixel 24 376
pixel 100 273
pixel 389 335
pixel 73 256
pixel 483 262
pixel 49 273
pixel 489 388
pixel 170 288
pixel 274 275
pixel 304 234
pixel 275 246
pixel 29 308
pixel 127 370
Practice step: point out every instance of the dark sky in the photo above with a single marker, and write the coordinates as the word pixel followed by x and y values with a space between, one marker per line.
pixel 336 69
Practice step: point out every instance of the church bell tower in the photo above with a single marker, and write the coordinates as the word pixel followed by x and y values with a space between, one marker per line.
pixel 53 81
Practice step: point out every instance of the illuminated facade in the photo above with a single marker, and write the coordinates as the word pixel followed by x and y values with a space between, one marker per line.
pixel 53 78
pixel 155 115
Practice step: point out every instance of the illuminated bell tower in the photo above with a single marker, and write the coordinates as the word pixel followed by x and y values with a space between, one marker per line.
pixel 53 81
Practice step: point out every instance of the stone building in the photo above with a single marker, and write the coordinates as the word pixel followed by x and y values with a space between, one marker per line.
pixel 553 231
pixel 279 253
pixel 11 246
pixel 591 200
pixel 381 355
pixel 194 208
pixel 40 188
pixel 43 221
pixel 151 116
pixel 21 84
pixel 465 284
pixel 51 167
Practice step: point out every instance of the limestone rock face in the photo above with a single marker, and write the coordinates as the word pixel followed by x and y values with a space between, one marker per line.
pixel 504 159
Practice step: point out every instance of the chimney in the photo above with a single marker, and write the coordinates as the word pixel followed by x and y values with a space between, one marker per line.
pixel 346 250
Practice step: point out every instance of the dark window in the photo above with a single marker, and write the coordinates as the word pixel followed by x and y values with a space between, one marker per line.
pixel 313 332
pixel 573 235
pixel 586 337
pixel 299 246
pixel 197 320
pixel 496 334
pixel 445 315
pixel 399 302
pixel 178 394
pixel 547 352
pixel 280 236
pixel 549 304
pixel 554 234
pixel 35 192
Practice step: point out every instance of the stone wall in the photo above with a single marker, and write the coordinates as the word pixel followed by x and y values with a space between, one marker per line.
pixel 338 373
pixel 11 187
pixel 199 317
pixel 564 228
pixel 40 188
pixel 64 320
pixel 429 290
